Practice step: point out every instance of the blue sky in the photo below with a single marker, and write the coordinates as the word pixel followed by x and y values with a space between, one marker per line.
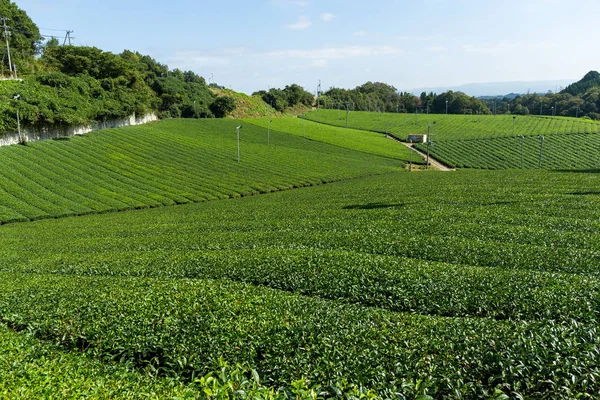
pixel 252 45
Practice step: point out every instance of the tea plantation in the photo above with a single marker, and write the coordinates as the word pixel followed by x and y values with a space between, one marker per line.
pixel 450 127
pixel 171 162
pixel 473 284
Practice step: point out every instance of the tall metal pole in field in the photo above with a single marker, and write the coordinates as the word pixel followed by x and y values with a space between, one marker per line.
pixel 522 142
pixel 7 35
pixel 428 144
pixel 347 112
pixel 514 118
pixel 446 107
pixel 541 151
pixel 268 132
pixel 238 141
pixel 410 163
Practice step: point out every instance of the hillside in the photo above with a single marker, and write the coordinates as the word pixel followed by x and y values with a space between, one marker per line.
pixel 255 107
pixel 589 81
pixel 166 163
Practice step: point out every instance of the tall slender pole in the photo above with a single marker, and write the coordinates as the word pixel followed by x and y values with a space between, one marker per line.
pixel 347 112
pixel 410 164
pixel 446 107
pixel 238 141
pixel 428 144
pixel 522 142
pixel 514 118
pixel 541 151
pixel 268 132
pixel 6 35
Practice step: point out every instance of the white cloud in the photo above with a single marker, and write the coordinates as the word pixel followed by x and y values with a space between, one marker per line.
pixel 337 53
pixel 327 17
pixel 319 63
pixel 302 23
pixel 360 33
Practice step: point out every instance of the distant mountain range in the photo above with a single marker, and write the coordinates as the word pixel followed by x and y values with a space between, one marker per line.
pixel 501 88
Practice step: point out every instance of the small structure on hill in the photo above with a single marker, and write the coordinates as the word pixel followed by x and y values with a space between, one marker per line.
pixel 417 138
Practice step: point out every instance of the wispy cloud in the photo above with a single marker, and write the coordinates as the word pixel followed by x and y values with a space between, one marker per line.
pixel 337 53
pixel 360 33
pixel 327 16
pixel 302 23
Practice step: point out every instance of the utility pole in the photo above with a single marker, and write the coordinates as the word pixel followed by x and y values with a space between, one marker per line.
pixel 428 144
pixel 347 112
pixel 68 38
pixel 514 118
pixel 7 35
pixel 541 150
pixel 522 142
pixel 238 140
pixel 446 107
pixel 318 103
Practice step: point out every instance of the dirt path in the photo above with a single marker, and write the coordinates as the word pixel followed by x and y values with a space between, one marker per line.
pixel 432 162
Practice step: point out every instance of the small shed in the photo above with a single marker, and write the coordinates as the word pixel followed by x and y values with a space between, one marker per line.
pixel 417 138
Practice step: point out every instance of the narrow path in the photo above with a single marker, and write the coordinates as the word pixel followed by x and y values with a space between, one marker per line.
pixel 432 161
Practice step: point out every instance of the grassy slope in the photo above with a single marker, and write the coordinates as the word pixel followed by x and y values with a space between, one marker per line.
pixel 171 162
pixel 509 255
pixel 367 142
pixel 451 127
pixel 254 106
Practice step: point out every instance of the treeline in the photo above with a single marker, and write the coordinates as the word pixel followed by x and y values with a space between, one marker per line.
pixel 386 98
pixel 78 85
pixel 580 99
pixel 282 99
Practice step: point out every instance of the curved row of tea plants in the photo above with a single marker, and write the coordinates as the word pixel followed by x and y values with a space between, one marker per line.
pixel 181 328
pixel 568 152
pixel 171 162
pixel 360 140
pixel 450 127
pixel 327 284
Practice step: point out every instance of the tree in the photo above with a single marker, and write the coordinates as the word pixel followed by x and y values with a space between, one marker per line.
pixel 222 106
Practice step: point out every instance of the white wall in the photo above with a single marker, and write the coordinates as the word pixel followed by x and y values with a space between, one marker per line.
pixel 35 134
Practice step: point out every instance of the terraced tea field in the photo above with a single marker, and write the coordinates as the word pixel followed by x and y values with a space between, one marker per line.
pixel 171 162
pixel 567 152
pixel 451 127
pixel 471 284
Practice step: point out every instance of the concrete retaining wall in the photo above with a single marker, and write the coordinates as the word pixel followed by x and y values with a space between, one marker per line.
pixel 35 134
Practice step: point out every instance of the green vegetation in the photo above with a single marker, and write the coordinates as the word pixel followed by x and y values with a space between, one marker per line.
pixel 367 142
pixel 450 127
pixel 470 284
pixel 171 162
pixel 386 98
pixel 289 97
pixel 567 152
